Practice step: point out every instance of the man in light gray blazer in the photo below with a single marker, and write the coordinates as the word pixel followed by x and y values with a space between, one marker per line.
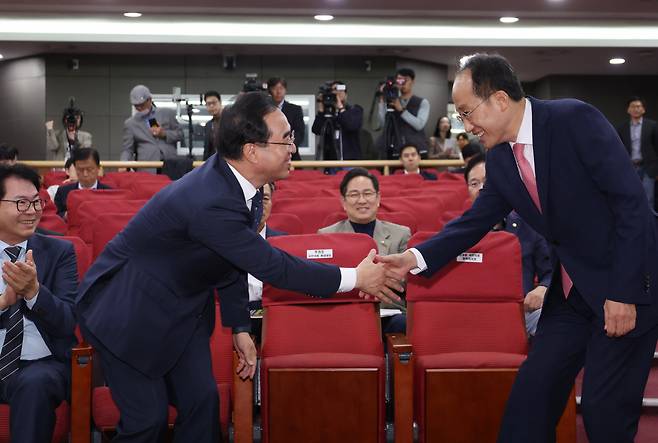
pixel 360 197
pixel 151 134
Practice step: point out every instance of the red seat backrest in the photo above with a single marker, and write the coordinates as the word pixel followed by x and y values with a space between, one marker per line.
pixel 89 211
pixel 426 210
pixel 475 303
pixel 144 190
pixel 403 180
pixel 105 227
pixel 305 189
pixel 124 179
pixel 76 197
pixel 305 174
pixel 82 254
pixel 53 222
pixel 311 211
pixel 288 223
pixel 53 178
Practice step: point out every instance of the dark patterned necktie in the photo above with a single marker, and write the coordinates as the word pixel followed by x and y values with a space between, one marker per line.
pixel 256 209
pixel 11 349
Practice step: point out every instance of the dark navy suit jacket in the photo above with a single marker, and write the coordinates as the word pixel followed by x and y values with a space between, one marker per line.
pixel 594 213
pixel 63 193
pixel 151 287
pixel 53 314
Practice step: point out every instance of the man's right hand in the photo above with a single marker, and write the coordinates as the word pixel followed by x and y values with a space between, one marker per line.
pixel 8 298
pixel 399 264
pixel 373 279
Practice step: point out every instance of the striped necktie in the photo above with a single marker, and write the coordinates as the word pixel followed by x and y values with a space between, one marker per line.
pixel 531 185
pixel 11 349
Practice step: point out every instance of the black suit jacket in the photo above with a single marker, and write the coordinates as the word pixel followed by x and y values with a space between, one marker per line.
pixel 648 143
pixel 209 145
pixel 151 287
pixel 295 117
pixel 349 122
pixel 63 193
pixel 53 314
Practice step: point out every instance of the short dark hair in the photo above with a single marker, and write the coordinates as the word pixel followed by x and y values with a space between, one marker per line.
pixel 68 163
pixel 273 81
pixel 409 146
pixel 473 162
pixel 8 152
pixel 462 135
pixel 636 98
pixel 437 132
pixel 491 73
pixel 244 122
pixel 406 72
pixel 212 93
pixel 354 173
pixel 82 154
pixel 471 149
pixel 19 171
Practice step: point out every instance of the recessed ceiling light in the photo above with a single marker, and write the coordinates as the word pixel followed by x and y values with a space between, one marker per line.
pixel 509 19
pixel 617 61
pixel 1 56
pixel 132 14
pixel 323 17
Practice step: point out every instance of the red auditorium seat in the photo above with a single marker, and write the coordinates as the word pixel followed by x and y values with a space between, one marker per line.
pixel 305 174
pixel 105 227
pixel 405 181
pixel 465 330
pixel 426 210
pixel 89 211
pixel 96 406
pixel 311 212
pixel 144 190
pixel 49 206
pixel 82 254
pixel 306 189
pixel 53 178
pixel 75 198
pixel 53 222
pixel 400 218
pixel 124 179
pixel 288 223
pixel 322 365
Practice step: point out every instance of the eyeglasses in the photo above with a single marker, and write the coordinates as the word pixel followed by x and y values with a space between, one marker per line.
pixel 467 114
pixel 476 183
pixel 354 196
pixel 290 142
pixel 23 204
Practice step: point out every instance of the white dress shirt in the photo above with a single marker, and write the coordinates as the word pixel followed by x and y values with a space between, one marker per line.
pixel 347 275
pixel 34 347
pixel 525 137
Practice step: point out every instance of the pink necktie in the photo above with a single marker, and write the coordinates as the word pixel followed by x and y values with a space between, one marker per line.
pixel 531 185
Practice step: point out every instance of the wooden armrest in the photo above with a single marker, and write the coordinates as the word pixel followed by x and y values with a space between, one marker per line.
pixel 243 406
pixel 82 358
pixel 401 353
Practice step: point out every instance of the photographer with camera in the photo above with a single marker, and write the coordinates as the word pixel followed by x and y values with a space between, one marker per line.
pixel 278 87
pixel 62 142
pixel 337 124
pixel 402 114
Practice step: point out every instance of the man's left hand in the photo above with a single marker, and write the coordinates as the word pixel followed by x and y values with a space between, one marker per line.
pixel 619 318
pixel 246 350
pixel 158 132
pixel 397 105
pixel 534 299
pixel 22 277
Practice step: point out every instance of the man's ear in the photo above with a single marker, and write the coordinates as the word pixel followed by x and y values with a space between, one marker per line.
pixel 249 152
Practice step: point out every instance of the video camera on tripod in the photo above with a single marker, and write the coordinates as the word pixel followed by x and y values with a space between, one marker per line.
pixel 72 116
pixel 389 89
pixel 327 96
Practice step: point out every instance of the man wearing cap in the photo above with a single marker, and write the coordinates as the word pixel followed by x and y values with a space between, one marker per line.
pixel 151 133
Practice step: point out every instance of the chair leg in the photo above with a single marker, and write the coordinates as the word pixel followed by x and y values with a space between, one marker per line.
pixel 243 413
pixel 81 386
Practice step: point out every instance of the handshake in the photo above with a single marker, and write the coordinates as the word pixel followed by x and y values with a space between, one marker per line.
pixel 379 276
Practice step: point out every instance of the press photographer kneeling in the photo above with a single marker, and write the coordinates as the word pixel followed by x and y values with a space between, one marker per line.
pixel 337 124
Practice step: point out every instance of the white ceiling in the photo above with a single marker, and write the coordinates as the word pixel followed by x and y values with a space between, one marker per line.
pixel 552 37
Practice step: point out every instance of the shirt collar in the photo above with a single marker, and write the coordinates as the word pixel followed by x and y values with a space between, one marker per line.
pixel 280 105
pixel 525 131
pixel 94 186
pixel 247 188
pixel 21 256
pixel 638 123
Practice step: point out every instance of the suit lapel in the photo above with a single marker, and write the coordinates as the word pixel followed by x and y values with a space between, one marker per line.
pixel 382 236
pixel 38 254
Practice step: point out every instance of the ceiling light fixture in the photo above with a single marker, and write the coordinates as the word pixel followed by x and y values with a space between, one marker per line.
pixel 617 61
pixel 323 17
pixel 1 56
pixel 509 19
pixel 132 14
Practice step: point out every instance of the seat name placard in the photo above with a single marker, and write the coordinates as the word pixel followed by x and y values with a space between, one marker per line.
pixel 319 253
pixel 470 257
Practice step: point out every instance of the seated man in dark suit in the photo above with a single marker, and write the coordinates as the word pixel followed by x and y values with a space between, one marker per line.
pixel 38 286
pixel 146 304
pixel 410 159
pixel 536 258
pixel 86 162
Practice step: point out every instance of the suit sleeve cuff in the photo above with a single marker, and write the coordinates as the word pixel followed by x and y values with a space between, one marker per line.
pixel 239 329
pixel 420 262
pixel 31 302
pixel 347 279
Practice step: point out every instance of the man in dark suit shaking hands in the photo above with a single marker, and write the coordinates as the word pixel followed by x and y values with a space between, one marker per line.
pixel 146 303
pixel 278 87
pixel 562 167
